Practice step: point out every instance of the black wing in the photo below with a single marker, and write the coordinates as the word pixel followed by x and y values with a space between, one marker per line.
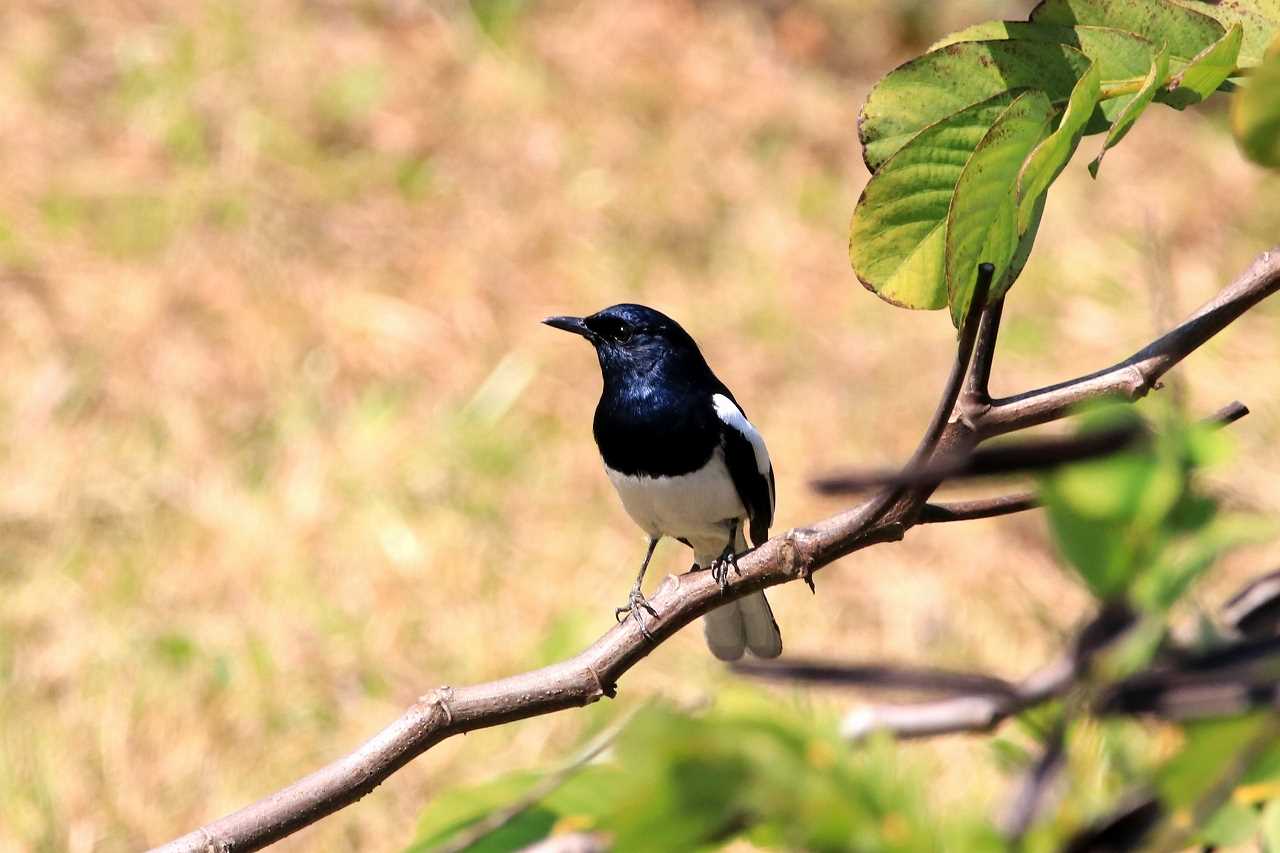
pixel 748 460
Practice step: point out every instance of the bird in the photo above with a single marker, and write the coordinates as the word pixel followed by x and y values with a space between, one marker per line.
pixel 685 461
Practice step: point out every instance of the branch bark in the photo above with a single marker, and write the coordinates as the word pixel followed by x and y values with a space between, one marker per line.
pixel 594 673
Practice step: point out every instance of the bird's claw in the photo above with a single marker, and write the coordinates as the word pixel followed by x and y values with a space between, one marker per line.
pixel 720 567
pixel 636 607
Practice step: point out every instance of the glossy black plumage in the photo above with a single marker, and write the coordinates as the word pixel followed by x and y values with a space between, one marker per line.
pixel 683 457
pixel 656 416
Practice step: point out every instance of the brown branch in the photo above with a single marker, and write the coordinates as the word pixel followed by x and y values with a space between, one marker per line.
pixel 594 673
pixel 977 395
pixel 1028 456
pixel 1140 372
pixel 978 712
pixel 875 675
pixel 1228 681
pixel 934 513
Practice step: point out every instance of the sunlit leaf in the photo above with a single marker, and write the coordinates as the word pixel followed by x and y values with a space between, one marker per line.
pixel 898 232
pixel 945 81
pixel 1259 18
pixel 1212 66
pixel 983 219
pixel 1051 156
pixel 1184 31
pixel 1155 78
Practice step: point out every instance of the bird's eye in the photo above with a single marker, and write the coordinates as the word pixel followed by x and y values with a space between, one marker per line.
pixel 615 330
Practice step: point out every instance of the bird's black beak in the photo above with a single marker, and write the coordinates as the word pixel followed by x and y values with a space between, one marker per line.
pixel 570 324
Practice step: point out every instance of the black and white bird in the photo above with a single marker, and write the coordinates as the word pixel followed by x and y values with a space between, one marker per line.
pixel 684 459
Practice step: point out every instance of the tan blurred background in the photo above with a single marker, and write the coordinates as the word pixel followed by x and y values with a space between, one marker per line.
pixel 284 445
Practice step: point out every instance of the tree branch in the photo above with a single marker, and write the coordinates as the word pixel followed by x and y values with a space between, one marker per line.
pixel 1140 372
pixel 594 673
pixel 977 395
pixel 934 513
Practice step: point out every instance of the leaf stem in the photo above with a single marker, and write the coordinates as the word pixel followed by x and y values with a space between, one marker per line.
pixel 1118 88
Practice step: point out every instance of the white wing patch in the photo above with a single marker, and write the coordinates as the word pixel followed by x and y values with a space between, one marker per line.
pixel 732 416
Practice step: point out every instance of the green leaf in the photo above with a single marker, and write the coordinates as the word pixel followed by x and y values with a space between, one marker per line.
pixel 1025 243
pixel 1182 562
pixel 945 81
pixel 1155 78
pixel 1259 18
pixel 1119 55
pixel 1255 114
pixel 1185 31
pixel 1204 74
pixel 898 232
pixel 1218 755
pixel 982 222
pixel 1051 156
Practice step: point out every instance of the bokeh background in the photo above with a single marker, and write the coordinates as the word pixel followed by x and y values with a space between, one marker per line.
pixel 284 445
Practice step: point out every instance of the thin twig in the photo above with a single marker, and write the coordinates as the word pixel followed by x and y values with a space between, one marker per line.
pixel 1033 791
pixel 978 712
pixel 982 711
pixel 880 676
pixel 959 368
pixel 933 432
pixel 1027 456
pixel 1228 414
pixel 977 394
pixel 934 513
pixel 1139 373
pixel 594 673
pixel 1024 457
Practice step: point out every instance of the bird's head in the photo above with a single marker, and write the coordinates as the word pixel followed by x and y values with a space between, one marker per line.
pixel 633 338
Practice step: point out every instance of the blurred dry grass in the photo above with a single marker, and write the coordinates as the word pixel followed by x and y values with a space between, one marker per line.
pixel 284 444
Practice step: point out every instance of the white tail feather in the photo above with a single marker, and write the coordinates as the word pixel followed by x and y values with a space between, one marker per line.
pixel 745 624
pixel 726 632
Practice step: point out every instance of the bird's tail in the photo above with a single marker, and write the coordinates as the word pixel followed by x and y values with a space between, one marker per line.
pixel 746 624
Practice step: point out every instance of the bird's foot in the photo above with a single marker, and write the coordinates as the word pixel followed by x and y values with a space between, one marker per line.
pixel 635 608
pixel 720 566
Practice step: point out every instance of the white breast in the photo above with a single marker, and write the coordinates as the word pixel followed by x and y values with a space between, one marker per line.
pixel 693 506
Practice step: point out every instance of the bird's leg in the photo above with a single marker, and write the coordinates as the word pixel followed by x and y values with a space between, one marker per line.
pixel 728 557
pixel 636 604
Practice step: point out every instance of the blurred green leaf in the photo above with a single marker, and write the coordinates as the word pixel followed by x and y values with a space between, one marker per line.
pixel 457 808
pixel 1216 757
pixel 684 782
pixel 1270 826
pixel 1232 824
pixel 1255 113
